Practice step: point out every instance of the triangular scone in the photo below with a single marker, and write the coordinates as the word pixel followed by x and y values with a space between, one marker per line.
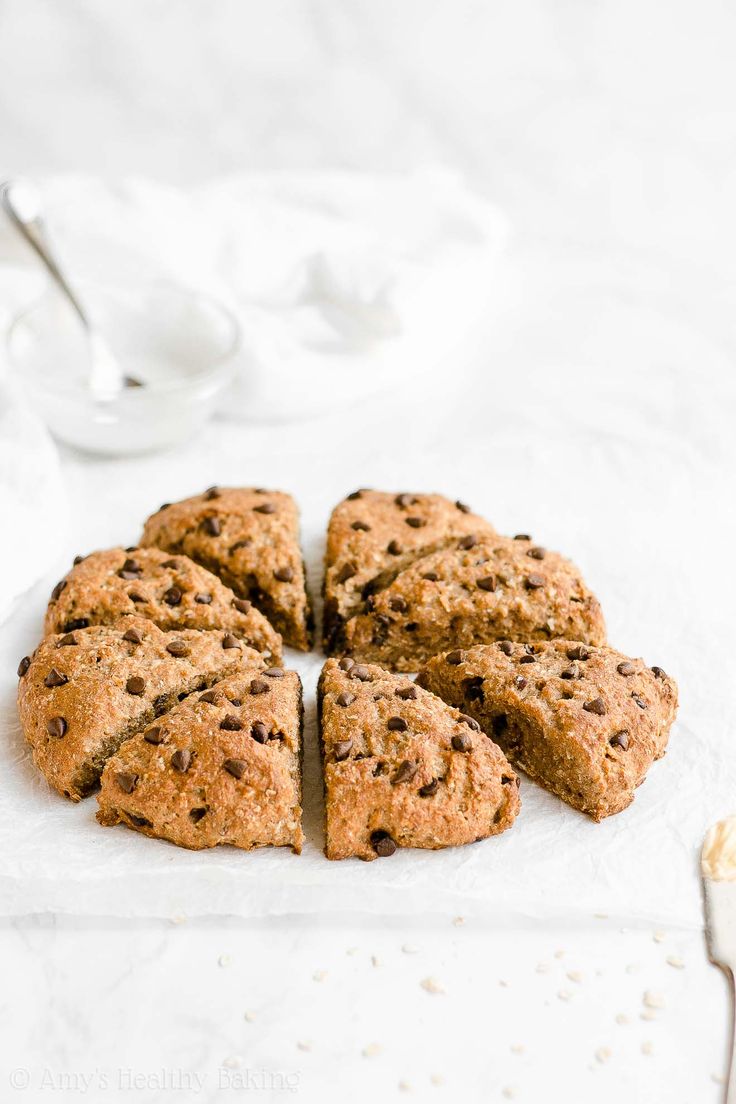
pixel 250 538
pixel 586 723
pixel 83 693
pixel 474 592
pixel 372 535
pixel 172 591
pixel 222 767
pixel 402 769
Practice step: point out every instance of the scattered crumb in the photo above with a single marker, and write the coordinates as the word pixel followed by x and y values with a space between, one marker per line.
pixel 600 915
pixel 178 918
pixel 659 936
pixel 559 954
pixel 718 1078
pixel 622 1018
pixel 436 1079
pixel 233 1062
pixel 648 1016
pixel 223 960
pixel 517 1048
pixel 676 961
pixel 564 995
pixel 319 975
pixel 542 967
pixel 459 921
pixel 249 1017
pixel 375 960
pixel 653 1000
pixel 408 948
pixel 503 983
pixel 404 1086
pixel 352 951
pixel 575 975
pixel 509 1092
pixel 431 985
pixel 623 931
pixel 372 1050
pixel 603 1054
pixel 304 1044
pixel 633 968
pixel 647 1047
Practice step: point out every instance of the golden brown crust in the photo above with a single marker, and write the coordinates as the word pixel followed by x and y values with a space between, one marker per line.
pixel 474 593
pixel 172 591
pixel 372 535
pixel 403 769
pixel 223 767
pixel 84 693
pixel 584 722
pixel 250 539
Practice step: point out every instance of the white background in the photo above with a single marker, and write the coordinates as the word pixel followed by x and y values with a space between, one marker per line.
pixel 600 411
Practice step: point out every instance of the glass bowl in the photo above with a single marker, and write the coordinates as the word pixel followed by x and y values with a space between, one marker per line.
pixel 174 346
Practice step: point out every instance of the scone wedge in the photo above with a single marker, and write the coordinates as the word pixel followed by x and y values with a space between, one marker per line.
pixel 172 591
pixel 250 538
pixel 82 694
pixel 475 591
pixel 585 722
pixel 372 536
pixel 223 767
pixel 402 769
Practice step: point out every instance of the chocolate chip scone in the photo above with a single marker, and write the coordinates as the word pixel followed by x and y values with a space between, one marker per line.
pixel 81 694
pixel 372 536
pixel 250 539
pixel 173 592
pixel 224 766
pixel 584 722
pixel 403 769
pixel 474 592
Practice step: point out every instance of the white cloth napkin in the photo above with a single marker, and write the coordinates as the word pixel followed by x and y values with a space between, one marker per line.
pixel 345 284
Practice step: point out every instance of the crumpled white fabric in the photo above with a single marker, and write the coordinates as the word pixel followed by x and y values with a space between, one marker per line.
pixel 342 282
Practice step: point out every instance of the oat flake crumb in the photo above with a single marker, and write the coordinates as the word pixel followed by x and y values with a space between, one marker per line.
pixel 676 961
pixel 653 1000
pixel 603 1054
pixel 431 985
pixel 647 1047
pixel 319 975
pixel 659 936
pixel 371 1050
pixel 622 1018
pixel 223 960
pixel 249 1017
pixel 575 975
pixel 437 1079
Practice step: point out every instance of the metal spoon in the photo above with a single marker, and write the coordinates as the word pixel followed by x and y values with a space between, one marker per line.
pixel 22 203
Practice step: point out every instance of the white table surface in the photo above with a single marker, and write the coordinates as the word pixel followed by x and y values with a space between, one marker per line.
pixel 607 133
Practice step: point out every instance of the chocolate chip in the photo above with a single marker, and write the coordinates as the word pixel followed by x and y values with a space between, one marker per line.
pixel 56 592
pixel 360 527
pixel 405 500
pixel 67 641
pixel 212 526
pixel 55 678
pixel 454 658
pixel 467 542
pixel 212 697
pixel 522 536
pixel 136 597
pixel 246 542
pixel 353 496
pixel 178 648
pixel 136 685
pixel 416 522
pixel 626 669
pixel 462 507
pixel 181 760
pixel 230 641
pixel 527 659
pixel 430 789
pixel 259 686
pixel 462 742
pixel 597 706
pixel 383 844
pixel 230 723
pixel 399 605
pixel 345 698
pixel 138 821
pixel 173 564
pixel 620 739
pixel 578 651
pixel 394 548
pixel 154 736
pixel 470 721
pixel 173 596
pixel 210 493
pixel 430 576
pixel 23 666
pixel 203 599
pixel 342 749
pixel 56 727
pixel 242 605
pixel 133 636
pixel 284 574
pixel 639 701
pixel 196 815
pixel 259 731
pixel 506 647
pixel 411 626
pixel 346 663
pixel 76 623
pixel 77 560
pixel 163 506
pixel 404 772
pixel 506 779
pixel 407 693
pixel 358 671
pixel 488 582
pixel 346 572
pixel 396 724
pixel 534 582
pixel 571 672
pixel 520 682
pixel 235 767
pixel 537 553
pixel 235 701
pixel 659 673
pixel 274 672
pixel 265 508
pixel 126 780
pixel 130 570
